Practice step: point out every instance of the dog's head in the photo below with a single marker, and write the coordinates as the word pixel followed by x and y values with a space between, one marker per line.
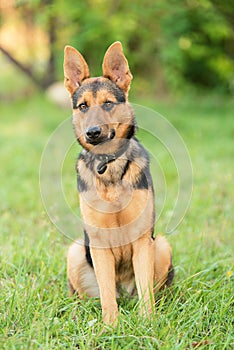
pixel 102 117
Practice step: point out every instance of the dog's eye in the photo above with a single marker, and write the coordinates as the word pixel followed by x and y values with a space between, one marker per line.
pixel 83 107
pixel 108 105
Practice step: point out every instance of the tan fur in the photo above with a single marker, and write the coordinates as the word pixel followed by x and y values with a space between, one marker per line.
pixel 83 278
pixel 117 215
pixel 80 274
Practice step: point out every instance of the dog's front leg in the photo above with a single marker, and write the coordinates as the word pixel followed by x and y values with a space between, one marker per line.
pixel 143 265
pixel 104 267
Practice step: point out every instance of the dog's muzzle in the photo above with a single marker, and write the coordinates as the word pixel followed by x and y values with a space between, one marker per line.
pixel 95 136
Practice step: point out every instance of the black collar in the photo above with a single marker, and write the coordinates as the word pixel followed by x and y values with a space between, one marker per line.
pixel 109 158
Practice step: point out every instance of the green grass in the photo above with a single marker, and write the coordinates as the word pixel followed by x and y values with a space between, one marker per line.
pixel 196 311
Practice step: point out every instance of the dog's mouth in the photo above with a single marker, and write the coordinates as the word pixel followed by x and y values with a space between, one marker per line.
pixel 112 134
pixel 99 139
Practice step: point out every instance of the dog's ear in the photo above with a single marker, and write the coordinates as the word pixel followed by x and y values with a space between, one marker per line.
pixel 75 69
pixel 115 67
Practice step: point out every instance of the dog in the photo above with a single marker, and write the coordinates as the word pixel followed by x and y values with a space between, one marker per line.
pixel 119 251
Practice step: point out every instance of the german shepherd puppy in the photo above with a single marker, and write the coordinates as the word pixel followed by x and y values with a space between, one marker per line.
pixel 115 188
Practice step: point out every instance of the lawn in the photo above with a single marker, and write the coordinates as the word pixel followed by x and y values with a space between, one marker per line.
pixel 197 311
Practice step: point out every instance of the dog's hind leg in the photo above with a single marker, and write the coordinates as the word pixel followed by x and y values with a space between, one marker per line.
pixel 81 276
pixel 163 268
pixel 143 250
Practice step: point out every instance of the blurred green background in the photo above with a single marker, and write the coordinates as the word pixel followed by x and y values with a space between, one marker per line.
pixel 181 54
pixel 172 46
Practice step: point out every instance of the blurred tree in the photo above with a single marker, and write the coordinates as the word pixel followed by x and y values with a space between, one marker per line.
pixel 173 44
pixel 197 44
pixel 32 13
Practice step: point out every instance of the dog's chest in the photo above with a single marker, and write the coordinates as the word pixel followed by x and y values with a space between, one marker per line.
pixel 114 213
pixel 109 193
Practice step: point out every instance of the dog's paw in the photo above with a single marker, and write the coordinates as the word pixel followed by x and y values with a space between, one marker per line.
pixel 110 316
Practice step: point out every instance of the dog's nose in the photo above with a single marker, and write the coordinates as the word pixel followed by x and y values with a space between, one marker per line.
pixel 93 132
